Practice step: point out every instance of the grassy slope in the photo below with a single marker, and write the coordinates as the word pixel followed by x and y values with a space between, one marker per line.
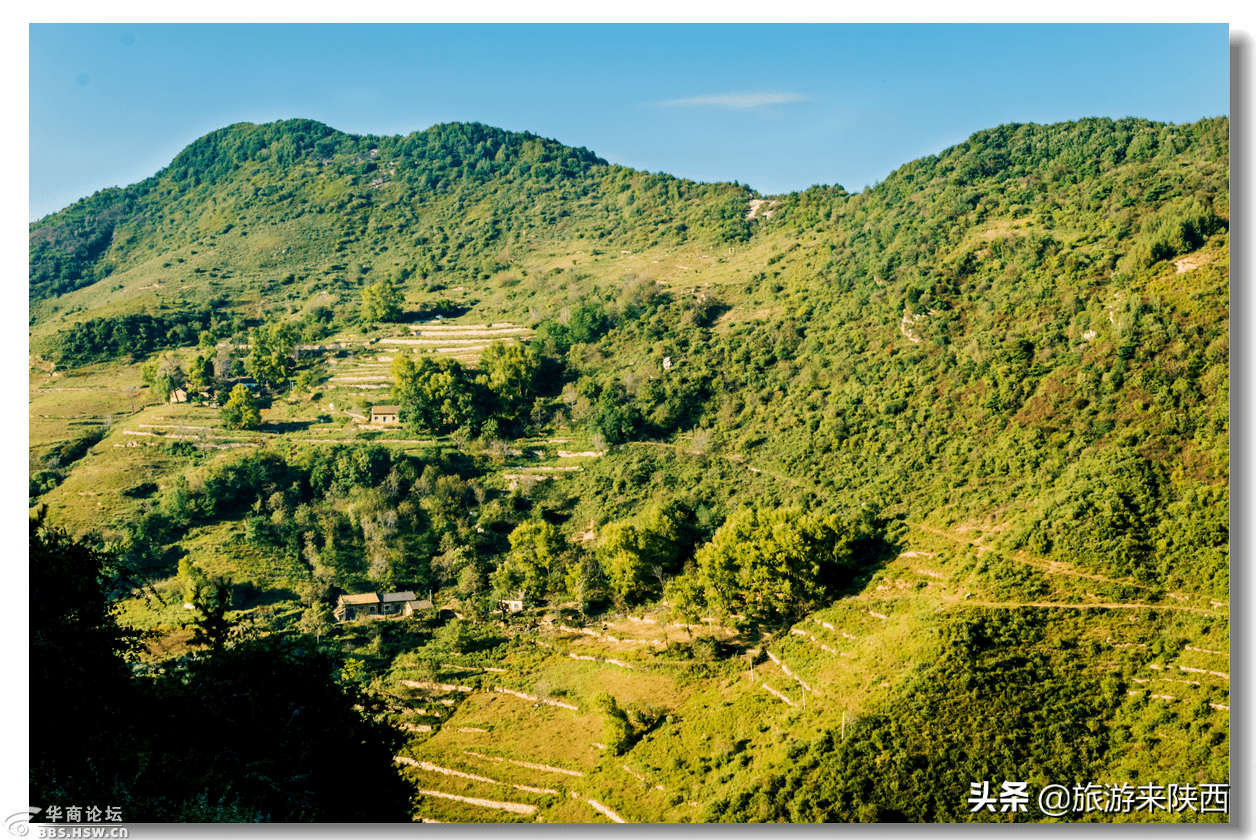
pixel 813 268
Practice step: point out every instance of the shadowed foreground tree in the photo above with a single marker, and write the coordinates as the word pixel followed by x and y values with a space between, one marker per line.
pixel 275 736
pixel 257 729
pixel 80 682
pixel 211 600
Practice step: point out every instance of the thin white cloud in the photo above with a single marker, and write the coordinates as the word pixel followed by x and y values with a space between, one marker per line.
pixel 735 101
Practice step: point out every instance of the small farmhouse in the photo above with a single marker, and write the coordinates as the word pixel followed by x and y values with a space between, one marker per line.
pixel 395 602
pixel 386 414
pixel 352 607
pixel 372 604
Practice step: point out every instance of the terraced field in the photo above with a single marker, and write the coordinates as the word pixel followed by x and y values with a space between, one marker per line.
pixel 463 342
pixel 524 740
pixel 359 370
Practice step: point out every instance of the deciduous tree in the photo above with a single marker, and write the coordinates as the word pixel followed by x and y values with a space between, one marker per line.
pixel 534 549
pixel 380 302
pixel 436 395
pixel 622 554
pixel 201 373
pixel 241 411
pixel 271 360
pixel 771 565
pixel 511 372
pixel 317 620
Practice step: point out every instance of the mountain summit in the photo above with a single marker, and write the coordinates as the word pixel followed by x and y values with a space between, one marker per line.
pixel 821 506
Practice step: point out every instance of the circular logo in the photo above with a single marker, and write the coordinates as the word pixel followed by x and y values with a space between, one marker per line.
pixel 19 824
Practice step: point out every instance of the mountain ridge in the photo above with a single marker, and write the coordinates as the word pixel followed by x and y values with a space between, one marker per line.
pixel 956 443
pixel 452 151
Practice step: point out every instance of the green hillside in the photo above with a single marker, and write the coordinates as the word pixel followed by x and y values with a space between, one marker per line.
pixel 820 506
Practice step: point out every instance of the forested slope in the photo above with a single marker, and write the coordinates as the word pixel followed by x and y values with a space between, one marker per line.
pixel 971 423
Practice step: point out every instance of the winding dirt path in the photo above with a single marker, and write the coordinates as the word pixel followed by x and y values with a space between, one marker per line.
pixel 1100 606
pixel 528 764
pixel 600 808
pixel 435 768
pixel 513 807
pixel 1055 567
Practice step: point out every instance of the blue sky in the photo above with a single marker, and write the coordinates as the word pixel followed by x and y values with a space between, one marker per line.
pixel 777 106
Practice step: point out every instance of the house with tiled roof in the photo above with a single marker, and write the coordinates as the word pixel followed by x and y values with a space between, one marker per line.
pixel 386 414
pixel 353 607
pixel 375 605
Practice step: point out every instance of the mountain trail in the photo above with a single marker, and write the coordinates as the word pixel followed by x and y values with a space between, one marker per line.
pixel 433 768
pixel 1068 606
pixel 1054 567
pixel 528 764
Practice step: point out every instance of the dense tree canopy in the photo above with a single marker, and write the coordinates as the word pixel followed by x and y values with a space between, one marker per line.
pixel 381 302
pixel 257 730
pixel 271 359
pixel 772 565
pixel 535 547
pixel 241 411
pixel 437 394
